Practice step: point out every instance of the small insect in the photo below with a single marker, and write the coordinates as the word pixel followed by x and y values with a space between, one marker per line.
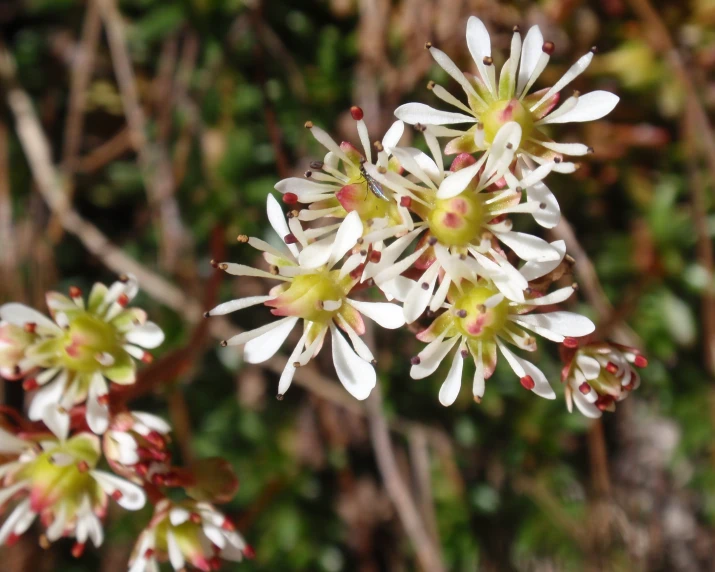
pixel 372 184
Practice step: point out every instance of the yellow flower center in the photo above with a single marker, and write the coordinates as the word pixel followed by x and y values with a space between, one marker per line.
pixel 457 221
pixel 501 112
pixel 474 319
pixel 310 296
pixel 86 338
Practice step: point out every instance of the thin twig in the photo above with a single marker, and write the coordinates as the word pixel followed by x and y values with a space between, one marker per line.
pixel 80 78
pixel 153 158
pixel 425 549
pixel 8 251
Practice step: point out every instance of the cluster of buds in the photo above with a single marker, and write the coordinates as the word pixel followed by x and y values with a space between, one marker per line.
pixel 73 366
pixel 437 241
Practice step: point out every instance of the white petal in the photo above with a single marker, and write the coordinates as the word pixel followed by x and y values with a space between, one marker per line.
pixel 289 370
pixel 480 46
pixel 589 366
pixel 19 314
pixel 357 375
pixel 450 388
pixel 393 136
pixel 97 414
pixel 57 527
pixel 6 493
pixel 573 72
pixel 178 515
pixel 573 149
pixel 243 270
pixel 278 221
pixel 317 253
pixel 478 381
pixel 176 557
pixel 47 396
pixel 346 238
pixel 584 406
pixel 398 268
pixel 387 315
pixel 238 304
pixel 133 497
pixel 397 289
pixel 360 347
pixel 523 368
pixel 153 422
pixel 446 63
pixel 265 346
pixel 413 113
pixel 456 182
pixel 538 192
pixel 329 143
pixel 567 324
pixel 18 517
pixel 536 269
pixel 11 444
pixel 431 357
pixel 249 335
pixel 531 50
pixel 590 106
pixel 418 300
pixel 529 247
pixel 555 297
pixel 501 153
pixel 148 336
pixel 300 186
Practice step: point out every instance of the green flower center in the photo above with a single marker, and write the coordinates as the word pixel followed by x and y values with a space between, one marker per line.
pixel 457 221
pixel 310 296
pixel 501 112
pixel 473 319
pixel 87 337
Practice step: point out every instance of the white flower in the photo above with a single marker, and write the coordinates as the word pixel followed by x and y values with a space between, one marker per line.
pixel 58 481
pixel 478 319
pixel 492 102
pixel 599 374
pixel 72 358
pixel 187 532
pixel 315 290
pixel 339 185
pixel 464 215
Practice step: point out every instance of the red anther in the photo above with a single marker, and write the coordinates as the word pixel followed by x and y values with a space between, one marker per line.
pixel 498 219
pixel 228 525
pixel 30 384
pixel 12 539
pixel 355 274
pixel 604 402
pixel 158 479
pixel 213 263
pixel 83 466
pixel 142 469
pixel 527 382
pixel 375 256
pixel 103 399
pixel 584 388
pixel 611 367
pixel 570 343
pixel 156 439
pixel 290 238
pixel 629 387
pixel 147 357
pixel 148 553
pixel 78 549
pixel 123 300
pixel 290 198
pixel 248 552
pixel 356 112
pixel 30 327
pixel 640 361
pixel 415 360
pixel 548 48
pixel 215 563
pixel 195 517
pixel 75 292
pixel 406 202
pixel 117 495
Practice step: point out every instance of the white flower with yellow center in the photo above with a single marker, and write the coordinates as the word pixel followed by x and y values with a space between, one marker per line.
pixel 478 319
pixel 315 289
pixel 187 533
pixel 491 103
pixel 58 481
pixel 71 358
pixel 339 184
pixel 464 212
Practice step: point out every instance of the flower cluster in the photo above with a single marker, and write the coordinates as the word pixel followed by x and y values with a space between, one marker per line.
pixel 437 240
pixel 73 365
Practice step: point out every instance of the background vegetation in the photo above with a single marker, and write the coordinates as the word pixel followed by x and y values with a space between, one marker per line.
pixel 169 122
